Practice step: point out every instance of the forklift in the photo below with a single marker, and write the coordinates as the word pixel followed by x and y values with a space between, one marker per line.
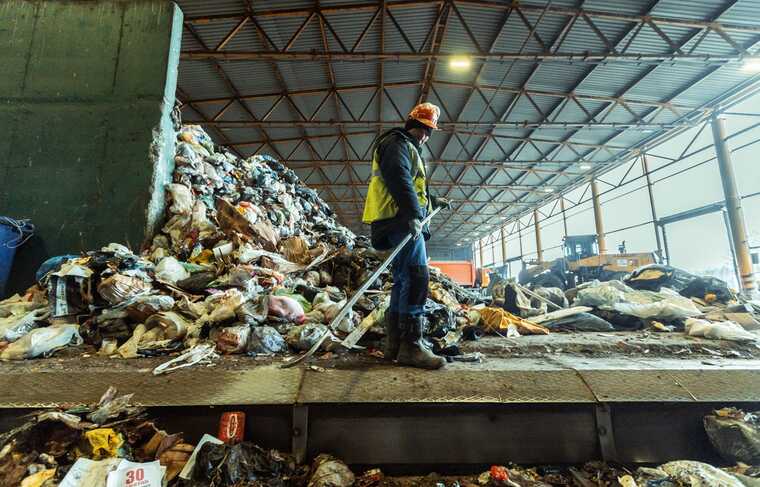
pixel 582 262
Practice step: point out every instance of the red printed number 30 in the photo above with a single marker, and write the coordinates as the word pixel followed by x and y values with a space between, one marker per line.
pixel 135 475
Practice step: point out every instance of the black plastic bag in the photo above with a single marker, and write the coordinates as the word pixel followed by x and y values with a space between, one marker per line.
pixel 619 321
pixel 579 322
pixel 265 340
pixel 735 435
pixel 441 319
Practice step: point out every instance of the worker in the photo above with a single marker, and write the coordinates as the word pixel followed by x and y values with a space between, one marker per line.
pixel 397 201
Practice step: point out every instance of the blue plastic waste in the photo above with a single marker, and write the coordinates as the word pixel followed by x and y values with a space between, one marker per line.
pixel 13 233
pixel 53 264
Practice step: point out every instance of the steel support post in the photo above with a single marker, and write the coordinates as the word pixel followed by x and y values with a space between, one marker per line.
pixel 598 218
pixel 537 227
pixel 564 215
pixel 503 247
pixel 733 205
pixel 665 244
pixel 519 239
pixel 727 224
pixel 645 167
pixel 482 262
pixel 300 432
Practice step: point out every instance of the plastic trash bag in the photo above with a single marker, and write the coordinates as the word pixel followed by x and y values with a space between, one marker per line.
pixel 42 341
pixel 553 294
pixel 441 319
pixel 667 305
pixel 14 327
pixel 140 308
pixel 601 294
pixel 303 337
pixel 493 320
pixel 182 199
pixel 170 270
pixel 689 473
pixel 517 303
pixel 723 330
pixel 89 473
pixel 231 339
pixel 735 435
pixel 265 340
pixel 328 471
pixel 579 322
pixel 200 354
pixel 286 308
pixel 119 288
pixel 52 264
pixel 241 464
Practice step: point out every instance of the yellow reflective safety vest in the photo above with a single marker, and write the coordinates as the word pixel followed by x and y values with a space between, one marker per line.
pixel 379 204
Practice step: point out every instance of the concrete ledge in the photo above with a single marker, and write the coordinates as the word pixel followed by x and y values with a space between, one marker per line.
pixel 562 380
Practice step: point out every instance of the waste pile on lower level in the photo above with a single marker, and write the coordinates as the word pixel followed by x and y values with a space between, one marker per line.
pixel 115 444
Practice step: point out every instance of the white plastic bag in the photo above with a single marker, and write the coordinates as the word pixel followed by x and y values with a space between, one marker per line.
pixel 723 330
pixel 182 199
pixel 170 270
pixel 89 473
pixel 42 341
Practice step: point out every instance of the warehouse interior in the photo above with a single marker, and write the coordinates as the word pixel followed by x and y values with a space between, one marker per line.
pixel 191 288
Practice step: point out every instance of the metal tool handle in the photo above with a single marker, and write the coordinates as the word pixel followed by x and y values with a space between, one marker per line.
pixel 359 293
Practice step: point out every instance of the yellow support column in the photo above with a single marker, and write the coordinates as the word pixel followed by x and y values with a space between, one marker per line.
pixel 598 218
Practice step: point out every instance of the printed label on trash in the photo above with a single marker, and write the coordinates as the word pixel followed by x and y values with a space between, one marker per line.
pixel 61 305
pixel 130 474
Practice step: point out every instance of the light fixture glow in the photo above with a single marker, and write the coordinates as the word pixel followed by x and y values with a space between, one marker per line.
pixel 460 63
pixel 585 167
pixel 547 190
pixel 751 65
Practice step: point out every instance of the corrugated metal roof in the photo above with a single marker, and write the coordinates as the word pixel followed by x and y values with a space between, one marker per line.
pixel 528 128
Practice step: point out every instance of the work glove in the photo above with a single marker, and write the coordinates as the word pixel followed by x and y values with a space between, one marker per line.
pixel 441 202
pixel 415 228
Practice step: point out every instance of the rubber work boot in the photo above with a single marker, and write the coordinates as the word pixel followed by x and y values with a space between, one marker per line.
pixel 413 350
pixel 392 336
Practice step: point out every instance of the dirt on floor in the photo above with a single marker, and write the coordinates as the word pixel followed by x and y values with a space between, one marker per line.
pixel 592 345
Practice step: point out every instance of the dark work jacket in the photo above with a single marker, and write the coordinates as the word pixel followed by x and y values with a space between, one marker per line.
pixel 396 169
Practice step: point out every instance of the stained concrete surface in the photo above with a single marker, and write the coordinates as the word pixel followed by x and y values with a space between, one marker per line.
pixel 563 368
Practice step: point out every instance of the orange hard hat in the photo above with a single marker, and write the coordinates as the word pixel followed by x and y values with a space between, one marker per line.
pixel 427 114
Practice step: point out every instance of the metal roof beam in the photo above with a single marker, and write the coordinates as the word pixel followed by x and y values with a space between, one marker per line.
pixel 607 147
pixel 587 57
pixel 694 35
pixel 551 10
pixel 448 127
pixel 479 86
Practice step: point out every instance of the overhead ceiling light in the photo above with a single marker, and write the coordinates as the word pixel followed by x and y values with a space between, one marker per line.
pixel 751 65
pixel 460 63
pixel 547 190
pixel 585 167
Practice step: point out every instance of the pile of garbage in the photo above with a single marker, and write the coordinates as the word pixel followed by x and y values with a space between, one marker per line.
pixel 249 261
pixel 655 297
pixel 116 444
